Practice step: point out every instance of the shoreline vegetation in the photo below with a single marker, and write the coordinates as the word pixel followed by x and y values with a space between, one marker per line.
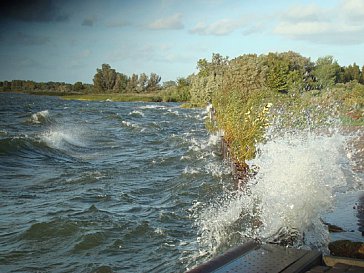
pixel 126 97
pixel 247 93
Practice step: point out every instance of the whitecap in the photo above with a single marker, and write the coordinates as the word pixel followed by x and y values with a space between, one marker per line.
pixel 39 117
pixel 190 170
pixel 152 106
pixel 136 113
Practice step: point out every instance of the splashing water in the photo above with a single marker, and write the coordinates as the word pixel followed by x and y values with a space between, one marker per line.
pixel 58 136
pixel 298 175
pixel 40 117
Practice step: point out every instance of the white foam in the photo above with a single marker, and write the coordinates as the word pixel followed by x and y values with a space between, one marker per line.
pixel 299 174
pixel 174 112
pixel 297 179
pixel 190 170
pixel 203 144
pixel 129 124
pixel 39 117
pixel 152 106
pixel 56 137
pixel 136 113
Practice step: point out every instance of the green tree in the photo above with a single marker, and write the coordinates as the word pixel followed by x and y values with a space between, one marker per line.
pixel 277 76
pixel 209 78
pixel 104 79
pixel 153 82
pixel 120 83
pixel 77 86
pixel 142 83
pixel 326 71
pixel 132 84
pixel 352 72
pixel 168 84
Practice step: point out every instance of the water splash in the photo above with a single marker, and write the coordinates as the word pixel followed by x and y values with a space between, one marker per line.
pixel 136 113
pixel 39 117
pixel 58 137
pixel 299 174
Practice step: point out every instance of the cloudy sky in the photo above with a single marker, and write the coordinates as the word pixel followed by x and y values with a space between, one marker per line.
pixel 66 40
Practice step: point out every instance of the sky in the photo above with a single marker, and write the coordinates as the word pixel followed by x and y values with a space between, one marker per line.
pixel 67 40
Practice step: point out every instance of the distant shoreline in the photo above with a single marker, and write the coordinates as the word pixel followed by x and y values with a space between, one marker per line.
pixel 117 97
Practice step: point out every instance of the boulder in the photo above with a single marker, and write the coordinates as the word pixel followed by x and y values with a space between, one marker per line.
pixel 346 248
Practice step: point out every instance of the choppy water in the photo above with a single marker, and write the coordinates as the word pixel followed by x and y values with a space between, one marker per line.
pixel 140 187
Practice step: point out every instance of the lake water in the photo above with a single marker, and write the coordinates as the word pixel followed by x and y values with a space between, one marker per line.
pixel 141 187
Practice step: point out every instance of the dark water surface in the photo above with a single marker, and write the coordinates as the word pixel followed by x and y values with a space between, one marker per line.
pixel 90 184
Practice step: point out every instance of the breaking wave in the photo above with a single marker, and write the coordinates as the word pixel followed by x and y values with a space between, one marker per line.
pixel 40 117
pixel 299 174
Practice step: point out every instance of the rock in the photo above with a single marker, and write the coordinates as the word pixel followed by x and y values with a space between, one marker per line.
pixel 346 248
pixel 334 228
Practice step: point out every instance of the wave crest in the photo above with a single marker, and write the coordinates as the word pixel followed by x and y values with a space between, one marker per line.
pixel 40 117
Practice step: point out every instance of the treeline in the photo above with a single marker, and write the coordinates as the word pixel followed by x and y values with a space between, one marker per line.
pixel 57 88
pixel 282 72
pixel 242 91
pixel 108 80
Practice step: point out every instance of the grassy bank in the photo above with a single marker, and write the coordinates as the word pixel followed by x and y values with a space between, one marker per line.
pixel 121 97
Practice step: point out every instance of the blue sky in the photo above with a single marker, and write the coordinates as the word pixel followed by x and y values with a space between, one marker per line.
pixel 66 40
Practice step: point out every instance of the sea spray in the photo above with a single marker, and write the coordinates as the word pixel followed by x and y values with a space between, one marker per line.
pixel 299 173
pixel 59 136
pixel 39 117
pixel 298 176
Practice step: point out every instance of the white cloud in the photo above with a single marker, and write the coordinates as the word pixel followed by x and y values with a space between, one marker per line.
pixel 301 13
pixel 341 24
pixel 171 22
pixel 218 28
pixel 302 28
pixel 353 7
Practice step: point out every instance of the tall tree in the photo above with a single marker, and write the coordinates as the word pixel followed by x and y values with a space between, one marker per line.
pixel 104 79
pixel 325 71
pixel 120 82
pixel 142 83
pixel 277 76
pixel 132 84
pixel 153 82
pixel 352 72
pixel 78 86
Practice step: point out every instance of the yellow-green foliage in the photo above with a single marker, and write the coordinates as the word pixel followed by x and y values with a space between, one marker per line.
pixel 249 85
pixel 242 105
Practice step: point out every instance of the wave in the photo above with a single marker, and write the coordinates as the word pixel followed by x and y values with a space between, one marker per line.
pixel 211 168
pixel 152 106
pixel 57 143
pixel 129 124
pixel 30 148
pixel 49 230
pixel 12 145
pixel 136 113
pixel 22 143
pixel 203 144
pixel 40 117
pixel 298 178
pixel 60 137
